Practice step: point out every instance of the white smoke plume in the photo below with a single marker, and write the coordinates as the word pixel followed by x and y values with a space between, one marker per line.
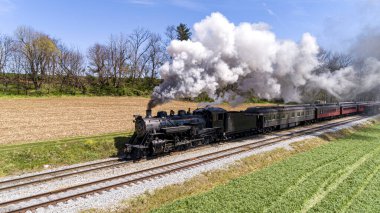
pixel 250 57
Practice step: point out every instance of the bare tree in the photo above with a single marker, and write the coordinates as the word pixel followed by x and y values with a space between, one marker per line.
pixel 39 51
pixel 6 49
pixel 71 62
pixel 139 45
pixel 332 62
pixel 170 34
pixel 118 51
pixel 16 66
pixel 156 54
pixel 98 60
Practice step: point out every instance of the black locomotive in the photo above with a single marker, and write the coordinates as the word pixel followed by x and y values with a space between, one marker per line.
pixel 166 133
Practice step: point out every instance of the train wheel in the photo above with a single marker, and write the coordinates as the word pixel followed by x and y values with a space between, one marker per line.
pixel 206 140
pixel 186 146
pixel 195 143
pixel 267 130
pixel 136 154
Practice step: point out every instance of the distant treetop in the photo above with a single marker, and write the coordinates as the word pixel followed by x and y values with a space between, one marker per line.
pixel 183 32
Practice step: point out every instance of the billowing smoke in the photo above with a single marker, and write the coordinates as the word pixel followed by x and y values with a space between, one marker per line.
pixel 232 62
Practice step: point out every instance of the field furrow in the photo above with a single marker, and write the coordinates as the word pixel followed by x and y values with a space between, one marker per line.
pixel 38 119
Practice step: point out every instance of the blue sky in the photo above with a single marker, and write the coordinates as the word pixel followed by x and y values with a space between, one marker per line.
pixel 81 23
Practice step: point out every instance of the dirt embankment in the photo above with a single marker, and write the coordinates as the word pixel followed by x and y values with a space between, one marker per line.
pixel 37 119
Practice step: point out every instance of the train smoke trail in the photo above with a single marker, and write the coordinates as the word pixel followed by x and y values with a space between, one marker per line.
pixel 249 58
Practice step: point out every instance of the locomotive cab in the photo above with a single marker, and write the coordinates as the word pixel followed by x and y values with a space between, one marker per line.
pixel 214 116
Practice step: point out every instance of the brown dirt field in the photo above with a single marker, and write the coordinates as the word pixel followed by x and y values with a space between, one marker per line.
pixel 39 119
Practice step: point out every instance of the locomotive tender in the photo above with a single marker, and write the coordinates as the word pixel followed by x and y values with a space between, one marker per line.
pixel 166 133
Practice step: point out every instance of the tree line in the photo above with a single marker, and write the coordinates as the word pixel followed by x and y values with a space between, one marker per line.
pixel 33 62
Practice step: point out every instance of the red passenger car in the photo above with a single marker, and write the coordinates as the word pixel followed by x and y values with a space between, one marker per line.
pixel 362 107
pixel 327 111
pixel 348 109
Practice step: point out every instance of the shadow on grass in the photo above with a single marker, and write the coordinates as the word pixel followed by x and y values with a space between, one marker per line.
pixel 361 136
pixel 119 143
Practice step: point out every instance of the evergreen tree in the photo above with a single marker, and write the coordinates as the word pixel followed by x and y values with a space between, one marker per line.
pixel 183 32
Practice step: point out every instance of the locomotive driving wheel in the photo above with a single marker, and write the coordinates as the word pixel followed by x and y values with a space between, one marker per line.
pixel 206 141
pixel 136 154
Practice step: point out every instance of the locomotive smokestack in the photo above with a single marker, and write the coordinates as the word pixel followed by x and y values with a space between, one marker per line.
pixel 148 113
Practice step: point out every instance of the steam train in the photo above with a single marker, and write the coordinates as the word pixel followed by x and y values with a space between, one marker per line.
pixel 156 135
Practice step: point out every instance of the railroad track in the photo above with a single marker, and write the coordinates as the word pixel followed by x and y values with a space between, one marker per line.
pixel 56 174
pixel 57 196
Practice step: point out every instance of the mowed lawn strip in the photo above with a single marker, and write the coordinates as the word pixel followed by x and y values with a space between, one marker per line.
pixel 338 176
pixel 33 156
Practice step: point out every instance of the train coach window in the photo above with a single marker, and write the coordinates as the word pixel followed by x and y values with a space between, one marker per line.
pixel 293 115
pixel 302 113
pixel 298 114
pixel 220 117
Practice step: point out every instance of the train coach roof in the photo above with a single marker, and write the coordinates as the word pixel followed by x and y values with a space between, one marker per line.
pixel 348 104
pixel 277 109
pixel 211 109
pixel 327 106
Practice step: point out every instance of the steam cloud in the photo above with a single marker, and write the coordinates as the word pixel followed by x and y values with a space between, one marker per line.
pixel 250 57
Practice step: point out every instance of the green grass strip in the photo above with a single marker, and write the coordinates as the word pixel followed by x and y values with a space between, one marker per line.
pixel 26 157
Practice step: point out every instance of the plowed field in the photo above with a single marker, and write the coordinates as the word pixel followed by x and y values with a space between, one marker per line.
pixel 38 119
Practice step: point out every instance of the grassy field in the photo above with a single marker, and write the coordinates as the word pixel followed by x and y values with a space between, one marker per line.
pixel 342 176
pixel 38 119
pixel 18 158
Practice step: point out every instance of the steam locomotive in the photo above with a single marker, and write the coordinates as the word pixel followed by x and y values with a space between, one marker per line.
pixel 156 135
